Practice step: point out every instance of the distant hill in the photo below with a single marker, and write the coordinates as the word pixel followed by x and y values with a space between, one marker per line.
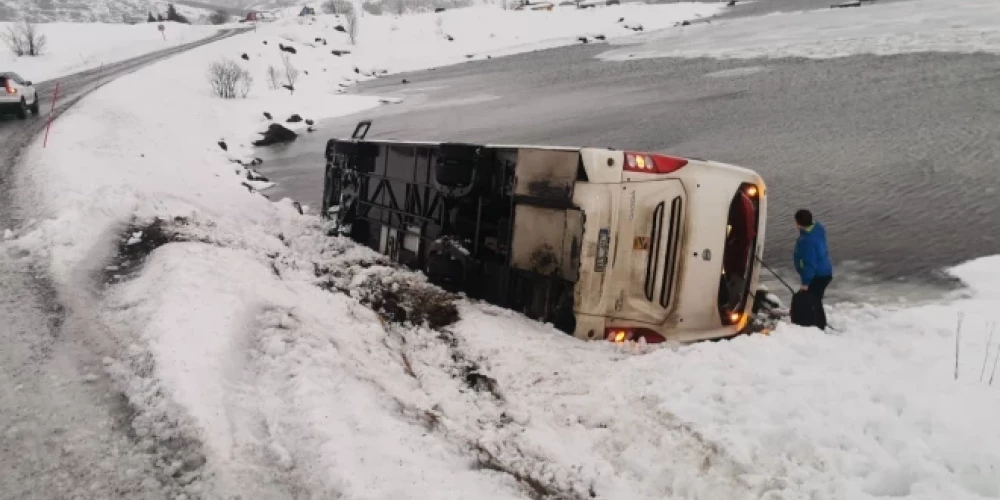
pixel 117 11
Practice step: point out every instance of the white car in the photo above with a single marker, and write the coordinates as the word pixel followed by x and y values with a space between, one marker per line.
pixel 605 244
pixel 17 96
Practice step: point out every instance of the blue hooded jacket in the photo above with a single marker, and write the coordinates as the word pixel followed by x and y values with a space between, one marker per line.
pixel 812 259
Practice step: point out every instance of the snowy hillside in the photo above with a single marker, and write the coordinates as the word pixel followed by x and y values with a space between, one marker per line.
pixel 90 11
pixel 261 358
pixel 72 47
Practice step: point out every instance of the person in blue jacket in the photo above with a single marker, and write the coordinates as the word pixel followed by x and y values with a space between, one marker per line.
pixel 812 260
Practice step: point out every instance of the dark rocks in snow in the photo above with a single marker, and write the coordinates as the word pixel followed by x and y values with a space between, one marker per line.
pixel 339 53
pixel 245 57
pixel 356 70
pixel 583 39
pixel 306 72
pixel 265 42
pixel 686 23
pixel 732 3
pixel 253 175
pixel 223 145
pixel 298 207
pixel 469 56
pixel 252 163
pixel 268 115
pixel 289 49
pixel 600 37
pixel 291 88
pixel 439 9
pixel 294 119
pixel 405 81
pixel 311 129
pixel 317 40
pixel 136 242
pixel 621 19
pixel 450 38
pixel 310 122
pixel 275 134
pixel 340 28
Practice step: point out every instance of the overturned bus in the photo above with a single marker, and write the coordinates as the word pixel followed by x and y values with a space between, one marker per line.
pixel 603 244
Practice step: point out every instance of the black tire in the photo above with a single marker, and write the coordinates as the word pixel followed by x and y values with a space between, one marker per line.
pixel 35 108
pixel 22 110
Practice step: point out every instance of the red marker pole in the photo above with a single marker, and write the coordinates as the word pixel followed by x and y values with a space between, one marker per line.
pixel 55 97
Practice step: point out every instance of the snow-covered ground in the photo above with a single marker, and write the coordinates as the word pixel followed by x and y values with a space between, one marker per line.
pixel 967 26
pixel 245 334
pixel 73 47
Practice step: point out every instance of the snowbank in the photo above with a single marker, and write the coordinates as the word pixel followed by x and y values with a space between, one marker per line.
pixel 968 26
pixel 73 47
pixel 249 347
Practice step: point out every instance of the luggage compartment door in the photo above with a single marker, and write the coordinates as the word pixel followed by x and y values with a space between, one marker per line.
pixel 547 241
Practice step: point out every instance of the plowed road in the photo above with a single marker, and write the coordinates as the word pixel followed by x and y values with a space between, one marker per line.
pixel 63 432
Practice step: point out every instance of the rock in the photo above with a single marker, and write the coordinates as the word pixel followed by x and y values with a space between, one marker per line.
pixel 306 72
pixel 275 134
pixel 311 129
pixel 223 145
pixel 294 119
pixel 356 70
pixel 193 462
pixel 289 49
pixel 583 39
pixel 439 9
pixel 405 81
pixel 265 42
pixel 469 56
pixel 253 175
pixel 339 53
pixel 268 115
pixel 450 38
pixel 340 28
pixel 291 88
pixel 732 3
pixel 621 19
pixel 245 57
pixel 310 122
pixel 600 37
pixel 686 23
pixel 317 40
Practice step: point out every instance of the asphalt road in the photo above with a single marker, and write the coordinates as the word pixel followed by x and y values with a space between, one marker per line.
pixel 63 430
pixel 896 155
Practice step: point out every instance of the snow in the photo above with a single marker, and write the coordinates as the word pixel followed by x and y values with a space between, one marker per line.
pixel 74 47
pixel 968 26
pixel 250 352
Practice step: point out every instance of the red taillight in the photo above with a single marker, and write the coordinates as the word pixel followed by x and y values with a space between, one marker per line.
pixel 653 164
pixel 621 335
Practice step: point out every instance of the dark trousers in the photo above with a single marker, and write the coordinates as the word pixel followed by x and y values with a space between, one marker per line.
pixel 817 287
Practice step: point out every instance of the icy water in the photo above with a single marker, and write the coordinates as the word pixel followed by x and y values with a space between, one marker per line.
pixel 898 155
